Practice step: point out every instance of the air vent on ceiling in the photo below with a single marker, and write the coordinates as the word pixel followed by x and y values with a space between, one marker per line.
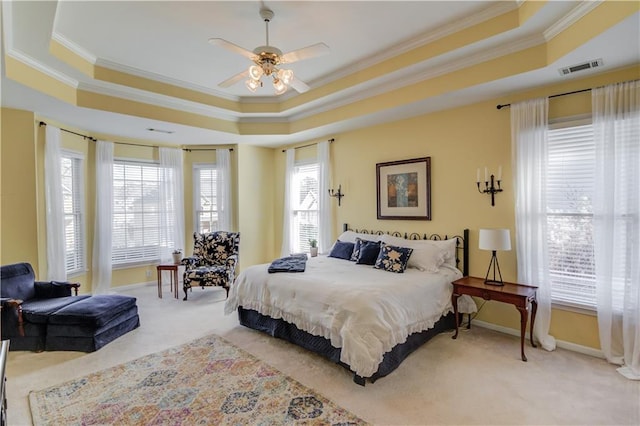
pixel 168 132
pixel 581 67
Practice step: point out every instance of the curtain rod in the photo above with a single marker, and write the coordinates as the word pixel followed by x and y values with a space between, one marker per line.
pixel 552 96
pixel 310 144
pixel 42 123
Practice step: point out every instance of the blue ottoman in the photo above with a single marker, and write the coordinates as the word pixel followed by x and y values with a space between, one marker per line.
pixel 91 323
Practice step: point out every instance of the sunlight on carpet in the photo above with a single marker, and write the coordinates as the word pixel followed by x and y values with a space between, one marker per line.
pixel 207 381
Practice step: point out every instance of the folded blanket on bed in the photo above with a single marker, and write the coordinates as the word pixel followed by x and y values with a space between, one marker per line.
pixel 293 263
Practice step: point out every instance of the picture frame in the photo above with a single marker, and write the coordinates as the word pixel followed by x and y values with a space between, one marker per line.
pixel 404 189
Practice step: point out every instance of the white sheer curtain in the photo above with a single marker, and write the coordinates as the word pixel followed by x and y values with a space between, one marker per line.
pixel 324 207
pixel 172 202
pixel 102 239
pixel 529 124
pixel 286 223
pixel 616 210
pixel 223 189
pixel 56 253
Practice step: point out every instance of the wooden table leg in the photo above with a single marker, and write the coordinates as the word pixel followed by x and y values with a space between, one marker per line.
pixel 175 276
pixel 534 309
pixel 159 273
pixel 454 301
pixel 523 330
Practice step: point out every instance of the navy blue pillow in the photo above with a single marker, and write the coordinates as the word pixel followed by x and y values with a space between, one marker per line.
pixel 369 251
pixel 342 250
pixel 392 258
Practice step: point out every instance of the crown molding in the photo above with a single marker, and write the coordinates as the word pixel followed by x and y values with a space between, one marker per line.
pixel 405 78
pixel 137 95
pixel 38 66
pixel 163 79
pixel 570 18
pixel 428 37
pixel 75 48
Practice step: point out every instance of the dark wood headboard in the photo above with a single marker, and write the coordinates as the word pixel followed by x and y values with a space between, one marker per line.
pixel 462 242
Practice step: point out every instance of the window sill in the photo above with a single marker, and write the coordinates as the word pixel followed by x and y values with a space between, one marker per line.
pixel 578 309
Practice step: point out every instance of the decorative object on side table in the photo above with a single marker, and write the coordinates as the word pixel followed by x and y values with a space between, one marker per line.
pixel 313 247
pixel 177 256
pixel 494 240
pixel 404 189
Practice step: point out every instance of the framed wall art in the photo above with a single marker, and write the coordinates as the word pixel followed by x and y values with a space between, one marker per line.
pixel 404 189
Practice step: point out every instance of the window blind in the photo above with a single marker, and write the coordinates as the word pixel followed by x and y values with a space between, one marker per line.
pixel 71 167
pixel 136 213
pixel 205 197
pixel 570 189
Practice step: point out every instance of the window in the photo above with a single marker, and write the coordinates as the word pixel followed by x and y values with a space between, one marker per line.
pixel 71 167
pixel 304 206
pixel 205 178
pixel 137 209
pixel 570 189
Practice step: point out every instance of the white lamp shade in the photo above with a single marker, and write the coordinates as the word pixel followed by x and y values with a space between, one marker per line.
pixel 494 239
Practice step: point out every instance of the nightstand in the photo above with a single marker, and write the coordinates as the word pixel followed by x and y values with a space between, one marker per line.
pixel 173 267
pixel 519 295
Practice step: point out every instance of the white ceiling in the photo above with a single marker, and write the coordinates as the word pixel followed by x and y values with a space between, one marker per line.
pixel 167 41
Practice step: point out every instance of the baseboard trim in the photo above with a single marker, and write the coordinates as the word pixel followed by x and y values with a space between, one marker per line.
pixel 133 286
pixel 559 343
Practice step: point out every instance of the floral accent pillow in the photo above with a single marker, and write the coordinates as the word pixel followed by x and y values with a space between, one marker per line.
pixel 393 258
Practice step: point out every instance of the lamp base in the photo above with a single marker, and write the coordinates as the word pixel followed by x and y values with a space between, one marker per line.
pixel 494 282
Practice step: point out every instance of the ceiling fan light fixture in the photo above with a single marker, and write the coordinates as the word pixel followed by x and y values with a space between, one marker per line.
pixel 286 76
pixel 279 86
pixel 255 72
pixel 252 85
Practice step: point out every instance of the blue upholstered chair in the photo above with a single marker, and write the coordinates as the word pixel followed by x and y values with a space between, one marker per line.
pixel 214 260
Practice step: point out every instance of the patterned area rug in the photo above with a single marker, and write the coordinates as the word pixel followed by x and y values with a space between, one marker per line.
pixel 206 382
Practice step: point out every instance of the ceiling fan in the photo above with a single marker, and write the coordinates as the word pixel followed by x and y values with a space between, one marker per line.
pixel 267 60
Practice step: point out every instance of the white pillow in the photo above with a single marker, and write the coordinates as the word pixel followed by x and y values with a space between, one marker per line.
pixel 428 255
pixel 350 237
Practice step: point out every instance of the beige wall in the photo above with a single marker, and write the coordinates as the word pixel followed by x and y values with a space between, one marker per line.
pixel 458 141
pixel 19 188
pixel 256 181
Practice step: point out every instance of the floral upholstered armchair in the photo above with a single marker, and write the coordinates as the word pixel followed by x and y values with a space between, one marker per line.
pixel 214 260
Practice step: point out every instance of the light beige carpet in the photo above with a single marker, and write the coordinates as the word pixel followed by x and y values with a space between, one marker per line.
pixel 476 379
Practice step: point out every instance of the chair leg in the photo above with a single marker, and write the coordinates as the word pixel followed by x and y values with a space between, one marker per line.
pixel 185 288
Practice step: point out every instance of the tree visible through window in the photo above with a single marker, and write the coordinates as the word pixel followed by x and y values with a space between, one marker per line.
pixel 73 203
pixel 305 206
pixel 570 189
pixel 205 200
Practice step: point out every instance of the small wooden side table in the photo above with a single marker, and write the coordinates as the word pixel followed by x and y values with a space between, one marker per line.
pixel 519 295
pixel 173 267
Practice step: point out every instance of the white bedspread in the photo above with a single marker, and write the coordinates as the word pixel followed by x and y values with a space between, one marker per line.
pixel 364 311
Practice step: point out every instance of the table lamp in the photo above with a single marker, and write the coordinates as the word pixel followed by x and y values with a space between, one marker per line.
pixel 494 240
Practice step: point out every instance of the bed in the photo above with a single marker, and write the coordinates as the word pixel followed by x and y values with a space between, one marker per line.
pixel 360 316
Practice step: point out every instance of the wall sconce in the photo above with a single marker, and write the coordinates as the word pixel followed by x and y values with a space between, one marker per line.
pixel 338 194
pixel 490 186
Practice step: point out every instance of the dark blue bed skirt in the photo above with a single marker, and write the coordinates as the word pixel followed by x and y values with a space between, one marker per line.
pixel 289 332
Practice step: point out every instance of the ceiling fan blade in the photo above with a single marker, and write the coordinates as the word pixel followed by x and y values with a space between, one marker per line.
pixel 299 85
pixel 233 80
pixel 308 52
pixel 232 47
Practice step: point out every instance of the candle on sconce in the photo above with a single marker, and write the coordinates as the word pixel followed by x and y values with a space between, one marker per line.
pixel 500 173
pixel 486 174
